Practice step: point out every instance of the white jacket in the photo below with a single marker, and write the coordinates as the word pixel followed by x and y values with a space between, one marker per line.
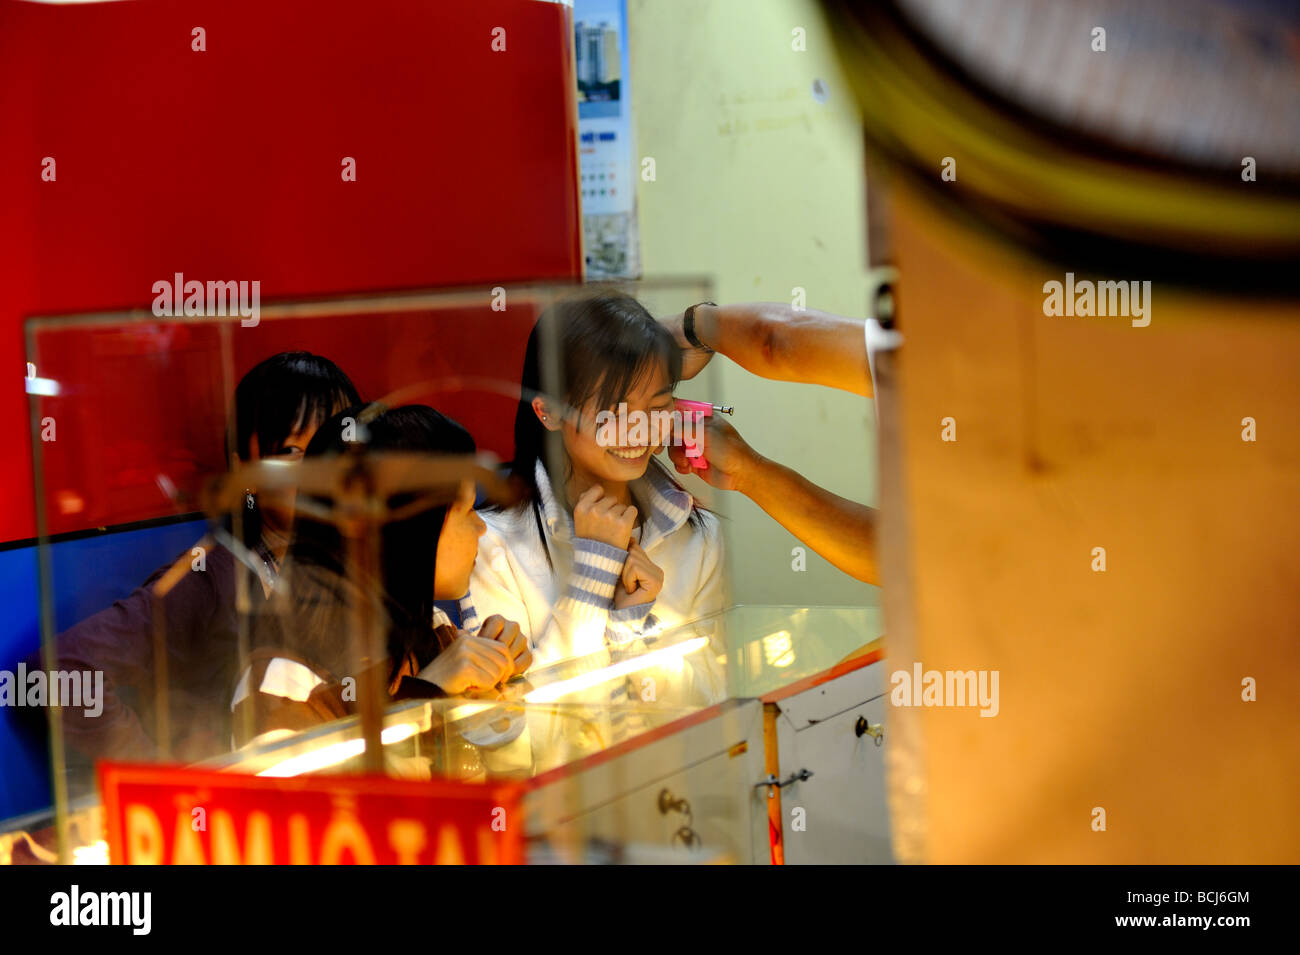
pixel 567 611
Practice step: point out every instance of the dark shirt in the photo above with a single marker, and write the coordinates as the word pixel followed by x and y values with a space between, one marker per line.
pixel 200 637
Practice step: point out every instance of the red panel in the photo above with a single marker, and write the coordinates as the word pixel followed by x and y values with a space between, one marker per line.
pixel 150 401
pixel 436 358
pixel 225 165
pixel 149 814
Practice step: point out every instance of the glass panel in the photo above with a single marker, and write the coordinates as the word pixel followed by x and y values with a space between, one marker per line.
pixel 299 542
pixel 158 583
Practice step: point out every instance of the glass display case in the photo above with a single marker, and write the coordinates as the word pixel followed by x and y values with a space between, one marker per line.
pixel 636 721
pixel 558 715
pixel 178 581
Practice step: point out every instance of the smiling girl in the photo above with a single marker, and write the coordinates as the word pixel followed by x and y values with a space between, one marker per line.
pixel 610 548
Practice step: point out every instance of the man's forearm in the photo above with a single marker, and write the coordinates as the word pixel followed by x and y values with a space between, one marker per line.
pixel 776 341
pixel 840 530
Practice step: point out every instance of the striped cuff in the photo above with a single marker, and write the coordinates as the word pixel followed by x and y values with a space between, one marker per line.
pixel 469 620
pixel 596 570
pixel 627 624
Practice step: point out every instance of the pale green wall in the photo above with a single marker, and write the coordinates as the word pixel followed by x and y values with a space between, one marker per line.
pixel 761 187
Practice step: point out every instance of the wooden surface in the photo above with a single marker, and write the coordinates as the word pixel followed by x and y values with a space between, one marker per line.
pixel 1119 689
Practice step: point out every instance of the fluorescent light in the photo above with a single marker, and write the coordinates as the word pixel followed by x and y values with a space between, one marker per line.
pixel 778 649
pixel 553 691
pixel 94 854
pixel 46 387
pixel 337 753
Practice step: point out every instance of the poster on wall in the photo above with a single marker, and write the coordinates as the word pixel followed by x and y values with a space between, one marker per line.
pixel 606 164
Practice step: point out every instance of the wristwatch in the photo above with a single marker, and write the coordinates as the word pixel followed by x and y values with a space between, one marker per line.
pixel 688 325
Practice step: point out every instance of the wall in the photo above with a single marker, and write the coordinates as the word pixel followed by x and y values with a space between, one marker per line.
pixel 226 164
pixel 759 185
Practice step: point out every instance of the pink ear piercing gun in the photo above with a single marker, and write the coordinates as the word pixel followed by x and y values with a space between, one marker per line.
pixel 701 410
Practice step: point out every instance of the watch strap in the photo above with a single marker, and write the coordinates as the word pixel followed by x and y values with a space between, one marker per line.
pixel 688 325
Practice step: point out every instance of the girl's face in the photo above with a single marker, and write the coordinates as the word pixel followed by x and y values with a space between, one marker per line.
pixel 277 508
pixel 616 464
pixel 457 546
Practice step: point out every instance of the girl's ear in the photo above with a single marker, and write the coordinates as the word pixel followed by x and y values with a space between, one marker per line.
pixel 543 411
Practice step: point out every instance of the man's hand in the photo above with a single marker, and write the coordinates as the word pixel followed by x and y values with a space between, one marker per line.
pixel 469 663
pixel 773 340
pixel 842 531
pixel 507 633
pixel 730 458
pixel 693 359
pixel 601 518
pixel 641 580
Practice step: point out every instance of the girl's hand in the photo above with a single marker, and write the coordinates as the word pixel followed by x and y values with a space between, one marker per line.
pixel 641 581
pixel 469 663
pixel 507 633
pixel 600 518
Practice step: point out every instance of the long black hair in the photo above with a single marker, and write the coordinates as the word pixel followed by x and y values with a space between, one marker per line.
pixel 320 594
pixel 596 345
pixel 281 395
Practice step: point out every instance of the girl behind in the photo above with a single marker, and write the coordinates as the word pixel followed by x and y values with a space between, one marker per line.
pixel 278 406
pixel 303 654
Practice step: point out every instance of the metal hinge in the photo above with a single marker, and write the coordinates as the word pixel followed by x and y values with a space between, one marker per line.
pixel 773 784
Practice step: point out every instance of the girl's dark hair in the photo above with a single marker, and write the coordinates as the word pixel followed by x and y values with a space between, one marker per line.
pixel 278 396
pixel 283 393
pixel 320 594
pixel 593 346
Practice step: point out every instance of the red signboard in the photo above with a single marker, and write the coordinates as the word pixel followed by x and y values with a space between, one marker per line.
pixel 466 174
pixel 170 815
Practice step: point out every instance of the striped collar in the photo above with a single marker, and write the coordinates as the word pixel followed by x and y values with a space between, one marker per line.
pixel 670 505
